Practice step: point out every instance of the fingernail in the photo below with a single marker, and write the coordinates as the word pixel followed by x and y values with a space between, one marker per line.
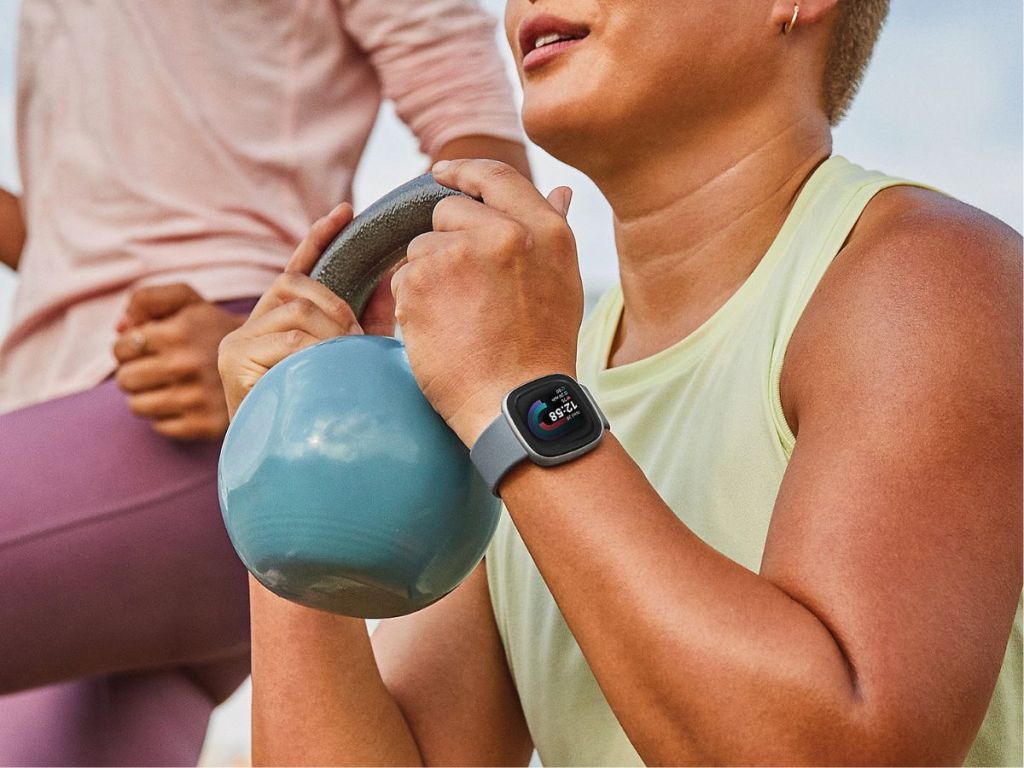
pixel 566 201
pixel 355 329
pixel 439 166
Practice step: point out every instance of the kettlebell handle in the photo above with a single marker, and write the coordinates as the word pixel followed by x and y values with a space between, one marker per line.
pixel 376 240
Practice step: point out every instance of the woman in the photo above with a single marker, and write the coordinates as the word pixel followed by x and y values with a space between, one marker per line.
pixel 800 541
pixel 172 154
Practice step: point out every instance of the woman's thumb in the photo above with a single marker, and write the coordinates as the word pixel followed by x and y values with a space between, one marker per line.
pixel 559 198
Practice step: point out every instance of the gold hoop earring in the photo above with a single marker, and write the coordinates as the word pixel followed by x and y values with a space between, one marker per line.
pixel 792 22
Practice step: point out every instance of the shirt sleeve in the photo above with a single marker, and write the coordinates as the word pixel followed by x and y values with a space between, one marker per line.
pixel 437 61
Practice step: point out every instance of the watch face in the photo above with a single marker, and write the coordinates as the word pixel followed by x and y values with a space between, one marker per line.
pixel 554 415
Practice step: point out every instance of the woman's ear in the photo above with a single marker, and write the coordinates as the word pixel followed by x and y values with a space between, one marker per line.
pixel 788 15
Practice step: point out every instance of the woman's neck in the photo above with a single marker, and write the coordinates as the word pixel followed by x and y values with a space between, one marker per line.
pixel 691 223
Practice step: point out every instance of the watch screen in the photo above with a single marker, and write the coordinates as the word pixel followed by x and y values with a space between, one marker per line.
pixel 554 415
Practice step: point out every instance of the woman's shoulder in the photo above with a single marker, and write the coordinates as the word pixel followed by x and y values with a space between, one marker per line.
pixel 925 283
pixel 913 243
pixel 914 219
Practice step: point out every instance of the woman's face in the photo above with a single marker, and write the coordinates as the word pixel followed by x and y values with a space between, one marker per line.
pixel 603 76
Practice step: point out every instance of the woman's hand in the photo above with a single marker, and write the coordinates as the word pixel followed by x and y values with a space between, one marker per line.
pixel 295 313
pixel 167 360
pixel 492 297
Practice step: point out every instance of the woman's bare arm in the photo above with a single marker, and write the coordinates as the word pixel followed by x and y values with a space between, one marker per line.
pixel 318 698
pixel 511 152
pixel 12 229
pixel 433 688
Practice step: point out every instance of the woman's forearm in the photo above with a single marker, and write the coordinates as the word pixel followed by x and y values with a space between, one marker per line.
pixel 12 229
pixel 318 697
pixel 488 147
pixel 701 659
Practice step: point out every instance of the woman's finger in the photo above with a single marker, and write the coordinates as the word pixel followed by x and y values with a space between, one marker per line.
pixel 152 372
pixel 320 235
pixel 302 315
pixel 498 184
pixel 132 345
pixel 152 338
pixel 458 213
pixel 294 285
pixel 189 426
pixel 398 278
pixel 167 401
pixel 156 301
pixel 434 243
pixel 270 349
pixel 560 198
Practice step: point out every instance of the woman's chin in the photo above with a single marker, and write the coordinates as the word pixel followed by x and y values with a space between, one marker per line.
pixel 562 127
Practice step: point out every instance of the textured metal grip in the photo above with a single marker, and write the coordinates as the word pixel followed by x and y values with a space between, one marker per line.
pixel 377 238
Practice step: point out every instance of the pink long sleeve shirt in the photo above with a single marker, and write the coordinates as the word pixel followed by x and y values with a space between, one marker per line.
pixel 196 140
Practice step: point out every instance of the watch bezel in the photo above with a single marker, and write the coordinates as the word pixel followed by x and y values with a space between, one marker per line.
pixel 508 411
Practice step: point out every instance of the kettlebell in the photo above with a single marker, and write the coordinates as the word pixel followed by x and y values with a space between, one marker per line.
pixel 340 486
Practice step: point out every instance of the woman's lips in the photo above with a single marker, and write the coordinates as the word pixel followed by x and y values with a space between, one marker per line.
pixel 544 36
pixel 540 56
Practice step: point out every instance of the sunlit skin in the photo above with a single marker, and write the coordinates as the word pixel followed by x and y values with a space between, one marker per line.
pixel 875 629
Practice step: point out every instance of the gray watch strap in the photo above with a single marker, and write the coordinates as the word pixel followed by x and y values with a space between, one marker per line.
pixel 496 451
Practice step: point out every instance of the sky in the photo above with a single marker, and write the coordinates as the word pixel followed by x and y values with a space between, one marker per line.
pixel 941 104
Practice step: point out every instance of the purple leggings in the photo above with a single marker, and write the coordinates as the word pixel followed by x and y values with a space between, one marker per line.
pixel 122 605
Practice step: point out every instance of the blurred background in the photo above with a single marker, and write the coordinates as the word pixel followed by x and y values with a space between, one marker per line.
pixel 942 104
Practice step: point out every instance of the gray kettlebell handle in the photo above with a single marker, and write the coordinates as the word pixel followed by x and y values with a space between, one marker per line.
pixel 376 240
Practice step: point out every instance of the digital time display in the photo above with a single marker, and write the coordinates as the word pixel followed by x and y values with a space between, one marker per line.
pixel 553 415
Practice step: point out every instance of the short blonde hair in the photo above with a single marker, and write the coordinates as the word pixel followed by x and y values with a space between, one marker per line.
pixel 853 39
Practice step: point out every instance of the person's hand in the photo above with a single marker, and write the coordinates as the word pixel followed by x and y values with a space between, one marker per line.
pixel 295 313
pixel 492 298
pixel 167 355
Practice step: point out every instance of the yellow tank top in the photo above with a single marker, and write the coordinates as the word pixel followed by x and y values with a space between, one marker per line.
pixel 704 420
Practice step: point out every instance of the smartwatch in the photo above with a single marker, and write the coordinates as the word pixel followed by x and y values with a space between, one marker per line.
pixel 550 420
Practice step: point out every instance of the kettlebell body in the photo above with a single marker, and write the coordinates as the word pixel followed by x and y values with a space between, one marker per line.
pixel 342 489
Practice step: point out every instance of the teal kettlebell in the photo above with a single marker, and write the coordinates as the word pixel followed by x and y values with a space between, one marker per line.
pixel 340 486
